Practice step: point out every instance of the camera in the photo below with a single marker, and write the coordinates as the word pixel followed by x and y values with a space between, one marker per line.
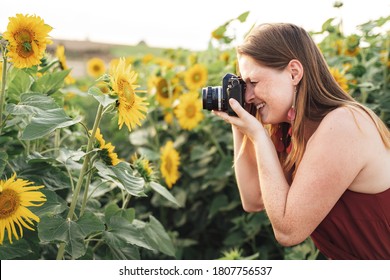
pixel 217 98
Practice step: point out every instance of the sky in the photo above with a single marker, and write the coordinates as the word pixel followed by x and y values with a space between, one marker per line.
pixel 182 23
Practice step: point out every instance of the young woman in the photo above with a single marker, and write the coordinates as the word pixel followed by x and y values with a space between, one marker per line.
pixel 316 160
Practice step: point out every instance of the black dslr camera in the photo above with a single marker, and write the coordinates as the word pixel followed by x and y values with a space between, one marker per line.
pixel 217 98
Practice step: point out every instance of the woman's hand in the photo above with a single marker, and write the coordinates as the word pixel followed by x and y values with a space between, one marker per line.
pixel 245 122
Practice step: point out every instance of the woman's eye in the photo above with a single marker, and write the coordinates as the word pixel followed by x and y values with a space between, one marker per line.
pixel 253 83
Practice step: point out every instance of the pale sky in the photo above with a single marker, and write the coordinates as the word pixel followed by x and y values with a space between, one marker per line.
pixel 181 23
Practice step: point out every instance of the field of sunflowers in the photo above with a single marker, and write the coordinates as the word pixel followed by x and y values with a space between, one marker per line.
pixel 125 164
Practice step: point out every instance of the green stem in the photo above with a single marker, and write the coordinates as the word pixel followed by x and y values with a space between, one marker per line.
pixel 83 170
pixel 85 197
pixel 126 201
pixel 2 92
pixel 57 141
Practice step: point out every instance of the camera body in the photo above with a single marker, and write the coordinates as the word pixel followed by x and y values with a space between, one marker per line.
pixel 217 98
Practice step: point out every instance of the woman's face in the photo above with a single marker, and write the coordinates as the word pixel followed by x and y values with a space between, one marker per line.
pixel 270 90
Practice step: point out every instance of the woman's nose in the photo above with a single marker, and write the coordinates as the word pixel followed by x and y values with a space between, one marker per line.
pixel 249 94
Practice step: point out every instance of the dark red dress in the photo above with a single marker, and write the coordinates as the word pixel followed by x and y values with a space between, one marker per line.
pixel 357 228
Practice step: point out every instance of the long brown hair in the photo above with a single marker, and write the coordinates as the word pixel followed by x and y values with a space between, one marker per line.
pixel 318 93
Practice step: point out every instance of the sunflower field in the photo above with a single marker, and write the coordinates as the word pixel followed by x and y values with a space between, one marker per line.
pixel 123 163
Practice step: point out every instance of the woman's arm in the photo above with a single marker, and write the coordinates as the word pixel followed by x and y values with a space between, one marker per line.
pixel 245 167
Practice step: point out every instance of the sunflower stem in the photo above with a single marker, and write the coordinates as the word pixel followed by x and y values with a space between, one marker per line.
pixel 3 83
pixel 57 141
pixel 83 170
pixel 85 197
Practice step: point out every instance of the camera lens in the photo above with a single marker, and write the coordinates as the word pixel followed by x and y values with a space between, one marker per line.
pixel 213 98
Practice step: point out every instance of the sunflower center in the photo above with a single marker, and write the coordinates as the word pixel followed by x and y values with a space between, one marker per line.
pixel 162 87
pixel 9 203
pixel 168 164
pixel 196 77
pixel 190 111
pixel 96 68
pixel 24 47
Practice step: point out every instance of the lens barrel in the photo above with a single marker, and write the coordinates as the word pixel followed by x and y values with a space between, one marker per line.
pixel 213 98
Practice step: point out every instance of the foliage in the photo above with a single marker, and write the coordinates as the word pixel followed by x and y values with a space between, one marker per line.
pixel 100 211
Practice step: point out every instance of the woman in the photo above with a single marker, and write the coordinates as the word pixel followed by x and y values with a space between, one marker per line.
pixel 320 167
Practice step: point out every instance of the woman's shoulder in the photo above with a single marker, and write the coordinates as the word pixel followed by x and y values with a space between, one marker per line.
pixel 342 123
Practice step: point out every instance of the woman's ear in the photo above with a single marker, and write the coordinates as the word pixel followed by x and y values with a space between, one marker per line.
pixel 296 70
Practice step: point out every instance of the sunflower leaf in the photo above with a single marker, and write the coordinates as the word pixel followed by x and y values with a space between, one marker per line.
pixel 164 192
pixel 19 83
pixel 243 16
pixel 121 175
pixel 103 99
pixel 50 82
pixel 54 204
pixel 72 233
pixel 114 210
pixel 121 231
pixel 47 115
pixel 17 249
pixel 89 223
pixel 155 234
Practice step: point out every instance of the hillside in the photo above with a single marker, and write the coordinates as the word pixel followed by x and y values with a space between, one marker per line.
pixel 78 52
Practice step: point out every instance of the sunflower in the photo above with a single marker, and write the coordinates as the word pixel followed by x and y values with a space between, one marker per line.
pixel 189 111
pixel 340 78
pixel 27 36
pixel 60 54
pixel 106 150
pixel 170 161
pixel 144 167
pixel 96 67
pixel 15 197
pixel 196 77
pixel 131 107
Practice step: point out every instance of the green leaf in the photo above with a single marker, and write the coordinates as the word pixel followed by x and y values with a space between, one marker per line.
pixel 164 192
pixel 54 204
pixel 114 210
pixel 17 249
pixel 3 161
pixel 119 248
pixel 121 230
pixel 19 82
pixel 103 99
pixel 219 32
pixel 50 82
pixel 120 174
pixel 243 16
pixel 90 223
pixel 56 228
pixel 47 116
pixel 158 238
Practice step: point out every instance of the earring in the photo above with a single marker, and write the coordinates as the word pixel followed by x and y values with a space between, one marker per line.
pixel 292 112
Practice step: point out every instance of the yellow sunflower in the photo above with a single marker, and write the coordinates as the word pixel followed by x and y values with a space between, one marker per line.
pixel 131 107
pixel 27 36
pixel 15 196
pixel 106 150
pixel 340 78
pixel 96 67
pixel 144 167
pixel 196 77
pixel 189 111
pixel 170 161
pixel 60 54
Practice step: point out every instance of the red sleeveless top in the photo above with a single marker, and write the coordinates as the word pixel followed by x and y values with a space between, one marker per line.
pixel 358 227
